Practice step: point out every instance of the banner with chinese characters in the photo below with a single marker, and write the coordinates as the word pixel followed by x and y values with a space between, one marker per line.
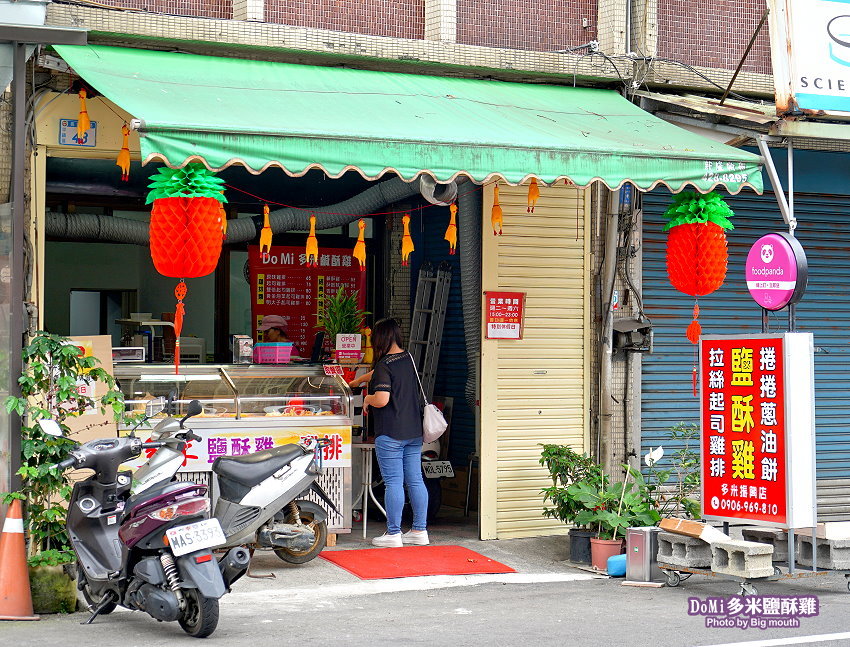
pixel 282 284
pixel 748 436
pixel 238 442
pixel 503 314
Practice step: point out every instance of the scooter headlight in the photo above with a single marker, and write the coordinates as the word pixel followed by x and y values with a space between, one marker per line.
pixel 181 509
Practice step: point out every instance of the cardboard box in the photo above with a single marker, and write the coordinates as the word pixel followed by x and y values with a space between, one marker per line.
pixel 691 528
pixel 93 424
pixel 454 490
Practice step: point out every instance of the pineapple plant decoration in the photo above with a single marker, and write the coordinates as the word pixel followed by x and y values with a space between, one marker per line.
pixel 696 247
pixel 186 229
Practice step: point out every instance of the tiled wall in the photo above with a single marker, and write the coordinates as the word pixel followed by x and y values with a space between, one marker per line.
pixel 713 33
pixel 542 25
pixel 394 18
pixel 204 8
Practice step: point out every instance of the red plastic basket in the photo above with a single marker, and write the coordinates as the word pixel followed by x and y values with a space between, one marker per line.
pixel 272 353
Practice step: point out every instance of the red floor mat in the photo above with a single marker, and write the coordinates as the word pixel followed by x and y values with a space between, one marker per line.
pixel 413 561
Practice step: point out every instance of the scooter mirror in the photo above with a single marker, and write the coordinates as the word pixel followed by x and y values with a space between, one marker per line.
pixel 50 427
pixel 155 406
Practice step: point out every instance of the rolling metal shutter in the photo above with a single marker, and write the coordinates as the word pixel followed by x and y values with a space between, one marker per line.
pixel 824 231
pixel 533 390
pixel 452 368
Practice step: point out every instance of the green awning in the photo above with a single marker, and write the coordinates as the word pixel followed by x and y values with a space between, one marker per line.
pixel 224 111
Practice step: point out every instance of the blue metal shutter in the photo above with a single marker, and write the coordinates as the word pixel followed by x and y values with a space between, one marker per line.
pixel 451 370
pixel 824 231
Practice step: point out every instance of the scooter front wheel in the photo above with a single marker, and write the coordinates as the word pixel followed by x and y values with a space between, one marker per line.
pixel 200 617
pixel 91 599
pixel 320 530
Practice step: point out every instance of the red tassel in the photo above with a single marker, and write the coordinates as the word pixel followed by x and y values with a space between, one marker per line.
pixel 694 329
pixel 695 380
pixel 179 313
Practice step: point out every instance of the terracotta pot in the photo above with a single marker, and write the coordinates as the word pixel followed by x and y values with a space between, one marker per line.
pixel 602 549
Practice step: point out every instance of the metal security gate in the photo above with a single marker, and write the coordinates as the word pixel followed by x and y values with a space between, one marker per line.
pixel 824 231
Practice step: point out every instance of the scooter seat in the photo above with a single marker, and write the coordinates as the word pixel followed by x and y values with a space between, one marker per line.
pixel 251 469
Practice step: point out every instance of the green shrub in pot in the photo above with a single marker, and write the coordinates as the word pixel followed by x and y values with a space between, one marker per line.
pixel 567 467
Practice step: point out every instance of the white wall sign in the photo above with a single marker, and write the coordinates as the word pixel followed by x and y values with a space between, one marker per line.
pixel 810 50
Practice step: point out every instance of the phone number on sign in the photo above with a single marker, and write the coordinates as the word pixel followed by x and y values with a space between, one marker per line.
pixel 744 506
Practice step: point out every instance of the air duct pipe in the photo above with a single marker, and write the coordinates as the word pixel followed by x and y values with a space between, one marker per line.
pixel 124 230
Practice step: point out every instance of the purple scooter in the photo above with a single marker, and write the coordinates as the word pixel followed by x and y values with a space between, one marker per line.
pixel 148 552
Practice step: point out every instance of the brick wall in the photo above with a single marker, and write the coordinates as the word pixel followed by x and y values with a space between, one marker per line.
pixel 204 8
pixel 544 25
pixel 713 33
pixel 394 18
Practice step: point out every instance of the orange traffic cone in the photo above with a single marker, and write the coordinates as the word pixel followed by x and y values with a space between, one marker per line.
pixel 15 596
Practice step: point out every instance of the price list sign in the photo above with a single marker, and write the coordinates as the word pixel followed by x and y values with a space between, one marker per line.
pixel 748 437
pixel 503 314
pixel 282 284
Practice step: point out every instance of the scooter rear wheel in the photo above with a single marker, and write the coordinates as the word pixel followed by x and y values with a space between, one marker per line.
pixel 91 599
pixel 200 618
pixel 320 530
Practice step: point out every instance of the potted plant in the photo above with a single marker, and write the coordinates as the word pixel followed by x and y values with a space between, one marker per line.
pixel 342 316
pixel 673 484
pixel 567 467
pixel 57 382
pixel 611 508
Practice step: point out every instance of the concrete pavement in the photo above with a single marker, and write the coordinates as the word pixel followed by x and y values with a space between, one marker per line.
pixel 547 602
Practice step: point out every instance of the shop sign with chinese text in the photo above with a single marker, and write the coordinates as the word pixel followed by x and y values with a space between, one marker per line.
pixel 216 441
pixel 757 420
pixel 503 314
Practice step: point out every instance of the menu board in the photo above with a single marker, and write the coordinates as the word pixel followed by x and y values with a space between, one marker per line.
pixel 282 284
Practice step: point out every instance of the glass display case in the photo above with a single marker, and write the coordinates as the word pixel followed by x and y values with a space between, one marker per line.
pixel 240 391
pixel 248 408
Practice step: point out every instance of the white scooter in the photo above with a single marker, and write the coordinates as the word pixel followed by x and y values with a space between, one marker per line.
pixel 261 502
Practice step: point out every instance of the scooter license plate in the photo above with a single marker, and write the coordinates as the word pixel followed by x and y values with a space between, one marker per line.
pixel 195 536
pixel 438 469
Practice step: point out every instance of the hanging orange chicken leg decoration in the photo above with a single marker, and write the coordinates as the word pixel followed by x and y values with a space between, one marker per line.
pixel 266 232
pixel 312 250
pixel 83 123
pixel 406 241
pixel 451 230
pixel 533 195
pixel 360 246
pixel 123 161
pixel 496 214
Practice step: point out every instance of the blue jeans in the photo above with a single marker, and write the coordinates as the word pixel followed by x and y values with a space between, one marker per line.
pixel 401 464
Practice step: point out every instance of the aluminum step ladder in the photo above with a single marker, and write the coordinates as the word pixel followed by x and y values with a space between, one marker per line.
pixel 428 317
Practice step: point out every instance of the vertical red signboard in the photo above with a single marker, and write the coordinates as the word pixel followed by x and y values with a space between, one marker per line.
pixel 282 284
pixel 744 462
pixel 503 314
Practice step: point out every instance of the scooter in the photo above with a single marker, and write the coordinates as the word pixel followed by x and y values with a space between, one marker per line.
pixel 262 500
pixel 148 552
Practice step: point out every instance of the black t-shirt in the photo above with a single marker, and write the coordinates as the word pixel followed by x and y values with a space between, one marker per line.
pixel 401 419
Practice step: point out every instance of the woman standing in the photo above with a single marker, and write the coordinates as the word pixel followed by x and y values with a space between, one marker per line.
pixel 396 408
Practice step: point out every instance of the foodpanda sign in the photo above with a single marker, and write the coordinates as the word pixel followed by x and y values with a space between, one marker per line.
pixel 776 271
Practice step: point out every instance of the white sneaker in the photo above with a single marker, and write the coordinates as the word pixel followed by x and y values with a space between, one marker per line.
pixel 388 541
pixel 416 538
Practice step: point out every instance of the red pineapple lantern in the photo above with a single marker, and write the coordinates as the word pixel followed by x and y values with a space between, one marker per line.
pixel 185 229
pixel 696 249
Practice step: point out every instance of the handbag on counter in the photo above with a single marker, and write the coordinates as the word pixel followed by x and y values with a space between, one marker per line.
pixel 433 422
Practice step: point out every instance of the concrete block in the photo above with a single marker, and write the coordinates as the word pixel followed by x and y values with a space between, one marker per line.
pixel 776 537
pixel 833 554
pixel 681 550
pixel 742 558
